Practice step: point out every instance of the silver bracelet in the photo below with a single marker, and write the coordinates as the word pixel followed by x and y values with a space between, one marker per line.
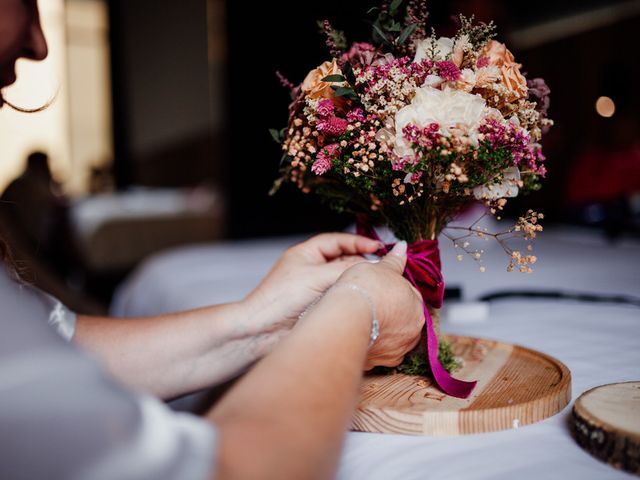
pixel 375 324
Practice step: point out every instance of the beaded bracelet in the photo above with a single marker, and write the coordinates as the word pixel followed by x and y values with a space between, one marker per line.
pixel 375 324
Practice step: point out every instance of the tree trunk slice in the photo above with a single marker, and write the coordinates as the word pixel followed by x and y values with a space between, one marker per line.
pixel 606 423
pixel 516 386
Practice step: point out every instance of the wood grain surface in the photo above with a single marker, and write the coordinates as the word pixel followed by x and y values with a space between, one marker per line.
pixel 516 386
pixel 606 423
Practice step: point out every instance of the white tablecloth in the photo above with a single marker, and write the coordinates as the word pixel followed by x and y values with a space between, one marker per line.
pixel 600 343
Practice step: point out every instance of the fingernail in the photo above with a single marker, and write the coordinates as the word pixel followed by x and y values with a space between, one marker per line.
pixel 399 249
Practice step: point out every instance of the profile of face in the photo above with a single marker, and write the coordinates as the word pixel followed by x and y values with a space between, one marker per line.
pixel 20 37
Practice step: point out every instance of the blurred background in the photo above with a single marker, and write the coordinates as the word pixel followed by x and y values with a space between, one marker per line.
pixel 158 134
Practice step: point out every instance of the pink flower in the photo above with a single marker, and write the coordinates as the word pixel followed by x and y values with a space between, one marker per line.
pixel 483 62
pixel 332 126
pixel 360 53
pixel 355 115
pixel 448 70
pixel 413 178
pixel 399 163
pixel 323 160
pixel 325 107
pixel 426 137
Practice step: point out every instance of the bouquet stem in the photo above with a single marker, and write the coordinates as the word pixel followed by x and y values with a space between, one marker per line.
pixel 435 317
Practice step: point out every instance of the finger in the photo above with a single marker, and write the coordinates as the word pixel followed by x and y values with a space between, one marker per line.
pixel 329 273
pixel 328 246
pixel 351 259
pixel 415 341
pixel 397 257
pixel 390 361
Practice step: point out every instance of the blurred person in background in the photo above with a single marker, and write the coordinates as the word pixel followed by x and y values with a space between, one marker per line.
pixel 35 210
pixel 90 410
pixel 34 216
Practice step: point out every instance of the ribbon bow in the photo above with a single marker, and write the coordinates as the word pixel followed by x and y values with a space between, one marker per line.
pixel 423 271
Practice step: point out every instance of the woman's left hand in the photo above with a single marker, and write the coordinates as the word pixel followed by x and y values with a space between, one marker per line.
pixel 301 275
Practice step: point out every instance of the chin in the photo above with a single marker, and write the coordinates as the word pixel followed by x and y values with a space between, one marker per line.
pixel 8 78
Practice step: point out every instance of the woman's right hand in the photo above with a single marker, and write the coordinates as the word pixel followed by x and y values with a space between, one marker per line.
pixel 398 306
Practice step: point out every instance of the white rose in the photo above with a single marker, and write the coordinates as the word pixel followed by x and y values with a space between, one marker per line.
pixel 508 188
pixel 449 108
pixel 442 48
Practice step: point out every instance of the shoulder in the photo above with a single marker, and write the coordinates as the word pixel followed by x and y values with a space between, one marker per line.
pixel 28 317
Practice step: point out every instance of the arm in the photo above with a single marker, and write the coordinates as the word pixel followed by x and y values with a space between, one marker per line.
pixel 179 353
pixel 173 354
pixel 286 418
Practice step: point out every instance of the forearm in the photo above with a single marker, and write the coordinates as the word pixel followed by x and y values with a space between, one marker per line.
pixel 291 410
pixel 174 354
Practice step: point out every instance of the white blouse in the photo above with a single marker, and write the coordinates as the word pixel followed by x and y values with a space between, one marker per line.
pixel 63 417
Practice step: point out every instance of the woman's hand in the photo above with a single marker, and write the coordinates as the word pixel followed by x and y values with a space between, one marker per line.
pixel 301 275
pixel 398 306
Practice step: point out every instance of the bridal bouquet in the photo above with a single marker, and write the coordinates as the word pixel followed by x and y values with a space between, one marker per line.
pixel 410 128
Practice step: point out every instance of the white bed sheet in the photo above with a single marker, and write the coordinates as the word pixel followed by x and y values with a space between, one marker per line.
pixel 600 343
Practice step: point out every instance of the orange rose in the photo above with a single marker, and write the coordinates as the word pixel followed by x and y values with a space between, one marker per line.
pixel 502 58
pixel 313 85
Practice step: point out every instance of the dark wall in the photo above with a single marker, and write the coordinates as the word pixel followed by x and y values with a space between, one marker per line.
pixel 265 37
pixel 164 133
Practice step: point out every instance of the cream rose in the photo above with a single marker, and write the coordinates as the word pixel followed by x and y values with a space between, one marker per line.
pixel 313 85
pixel 485 76
pixel 449 108
pixel 500 56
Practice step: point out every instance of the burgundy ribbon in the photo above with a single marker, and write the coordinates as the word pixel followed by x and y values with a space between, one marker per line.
pixel 423 270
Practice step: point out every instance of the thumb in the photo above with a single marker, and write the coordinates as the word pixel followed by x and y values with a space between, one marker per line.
pixel 397 257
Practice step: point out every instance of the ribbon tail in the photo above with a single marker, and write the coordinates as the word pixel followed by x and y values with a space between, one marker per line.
pixel 448 384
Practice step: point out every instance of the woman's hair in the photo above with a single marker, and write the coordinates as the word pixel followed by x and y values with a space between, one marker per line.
pixel 4 250
pixel 29 110
pixel 9 263
pixel 5 255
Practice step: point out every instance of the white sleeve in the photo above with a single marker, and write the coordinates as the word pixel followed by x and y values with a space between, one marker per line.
pixel 61 319
pixel 62 418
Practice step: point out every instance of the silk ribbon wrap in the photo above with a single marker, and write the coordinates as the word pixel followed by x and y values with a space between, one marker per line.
pixel 423 271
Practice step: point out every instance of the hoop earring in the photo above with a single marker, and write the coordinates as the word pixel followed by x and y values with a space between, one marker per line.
pixel 47 104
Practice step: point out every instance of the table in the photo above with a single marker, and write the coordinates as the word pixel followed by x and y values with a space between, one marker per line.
pixel 599 342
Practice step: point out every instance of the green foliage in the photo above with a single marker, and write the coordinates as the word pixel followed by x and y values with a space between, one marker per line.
pixel 346 92
pixel 406 33
pixel 390 27
pixel 334 78
pixel 531 183
pixel 347 70
pixel 277 135
pixel 393 8
pixel 416 362
pixel 478 35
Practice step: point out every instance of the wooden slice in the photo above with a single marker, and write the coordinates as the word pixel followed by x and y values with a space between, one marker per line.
pixel 606 423
pixel 516 386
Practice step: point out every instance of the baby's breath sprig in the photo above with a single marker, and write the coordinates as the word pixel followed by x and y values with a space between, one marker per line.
pixel 525 228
